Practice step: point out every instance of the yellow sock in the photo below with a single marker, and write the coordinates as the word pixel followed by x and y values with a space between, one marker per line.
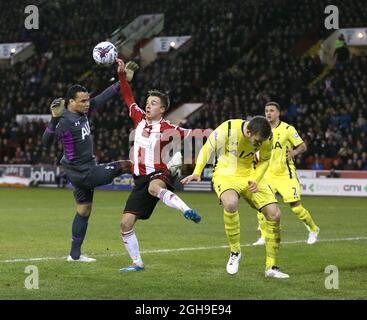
pixel 232 228
pixel 305 217
pixel 272 242
pixel 262 224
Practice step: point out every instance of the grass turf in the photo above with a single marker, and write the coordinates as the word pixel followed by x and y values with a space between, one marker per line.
pixel 36 223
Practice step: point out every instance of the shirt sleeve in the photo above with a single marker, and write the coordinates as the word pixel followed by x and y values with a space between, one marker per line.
pixel 215 143
pixel 135 113
pixel 217 138
pixel 49 134
pixel 100 100
pixel 184 133
pixel 54 131
pixel 294 137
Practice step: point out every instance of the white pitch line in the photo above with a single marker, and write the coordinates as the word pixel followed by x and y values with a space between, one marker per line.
pixel 177 250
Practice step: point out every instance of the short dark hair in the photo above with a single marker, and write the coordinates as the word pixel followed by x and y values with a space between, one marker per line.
pixel 259 125
pixel 161 95
pixel 73 90
pixel 273 103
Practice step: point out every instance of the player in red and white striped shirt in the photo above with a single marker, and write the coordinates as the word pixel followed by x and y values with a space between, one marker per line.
pixel 153 180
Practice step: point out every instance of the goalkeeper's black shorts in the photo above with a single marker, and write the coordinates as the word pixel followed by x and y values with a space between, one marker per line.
pixel 98 175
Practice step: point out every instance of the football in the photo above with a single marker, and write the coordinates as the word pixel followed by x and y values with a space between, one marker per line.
pixel 105 53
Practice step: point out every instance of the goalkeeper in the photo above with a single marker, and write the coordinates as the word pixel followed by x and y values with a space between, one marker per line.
pixel 234 144
pixel 70 126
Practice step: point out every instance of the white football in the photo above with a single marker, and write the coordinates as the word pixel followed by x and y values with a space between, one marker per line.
pixel 105 53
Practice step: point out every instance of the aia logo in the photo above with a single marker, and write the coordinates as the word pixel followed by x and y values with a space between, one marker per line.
pixel 85 130
pixel 103 51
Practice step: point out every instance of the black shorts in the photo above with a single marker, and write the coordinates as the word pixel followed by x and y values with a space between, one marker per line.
pixel 141 202
pixel 98 175
pixel 83 196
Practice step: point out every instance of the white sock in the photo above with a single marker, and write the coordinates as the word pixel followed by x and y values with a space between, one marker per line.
pixel 172 200
pixel 132 246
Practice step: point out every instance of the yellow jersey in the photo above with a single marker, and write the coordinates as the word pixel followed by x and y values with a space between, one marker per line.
pixel 233 153
pixel 285 137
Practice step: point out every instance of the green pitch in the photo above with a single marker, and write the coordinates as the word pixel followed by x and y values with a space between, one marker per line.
pixel 183 260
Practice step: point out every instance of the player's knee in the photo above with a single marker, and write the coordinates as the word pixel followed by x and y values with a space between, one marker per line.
pixel 125 166
pixel 153 189
pixel 125 226
pixel 230 205
pixel 274 213
pixel 84 210
pixel 295 204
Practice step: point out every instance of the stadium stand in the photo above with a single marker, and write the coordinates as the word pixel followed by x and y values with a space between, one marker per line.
pixel 231 66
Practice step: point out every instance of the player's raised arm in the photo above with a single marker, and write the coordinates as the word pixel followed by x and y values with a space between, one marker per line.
pixel 125 89
pixel 125 73
pixel 57 108
pixel 100 100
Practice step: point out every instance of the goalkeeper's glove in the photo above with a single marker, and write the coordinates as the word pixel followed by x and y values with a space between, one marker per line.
pixel 57 107
pixel 130 68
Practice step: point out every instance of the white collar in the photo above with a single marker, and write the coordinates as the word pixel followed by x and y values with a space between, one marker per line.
pixel 154 122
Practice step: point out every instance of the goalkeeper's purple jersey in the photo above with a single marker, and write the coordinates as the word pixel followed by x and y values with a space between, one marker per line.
pixel 73 131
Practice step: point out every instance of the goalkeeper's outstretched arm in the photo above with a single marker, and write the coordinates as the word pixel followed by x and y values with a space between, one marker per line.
pixel 99 101
pixel 48 136
pixel 57 108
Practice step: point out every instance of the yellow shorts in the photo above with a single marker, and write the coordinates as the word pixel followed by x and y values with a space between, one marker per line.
pixel 289 189
pixel 239 184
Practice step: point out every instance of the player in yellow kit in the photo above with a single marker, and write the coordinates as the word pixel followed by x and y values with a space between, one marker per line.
pixel 234 144
pixel 281 174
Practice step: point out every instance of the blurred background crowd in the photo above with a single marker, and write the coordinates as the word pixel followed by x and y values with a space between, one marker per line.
pixel 243 54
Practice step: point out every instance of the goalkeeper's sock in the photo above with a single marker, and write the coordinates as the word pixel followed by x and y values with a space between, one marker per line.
pixel 232 229
pixel 132 246
pixel 262 224
pixel 272 243
pixel 79 229
pixel 305 217
pixel 172 200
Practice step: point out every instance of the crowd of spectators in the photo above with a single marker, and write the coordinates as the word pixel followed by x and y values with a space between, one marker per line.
pixel 64 54
pixel 331 116
pixel 243 54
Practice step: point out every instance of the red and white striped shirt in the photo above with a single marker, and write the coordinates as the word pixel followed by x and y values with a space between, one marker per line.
pixel 150 138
